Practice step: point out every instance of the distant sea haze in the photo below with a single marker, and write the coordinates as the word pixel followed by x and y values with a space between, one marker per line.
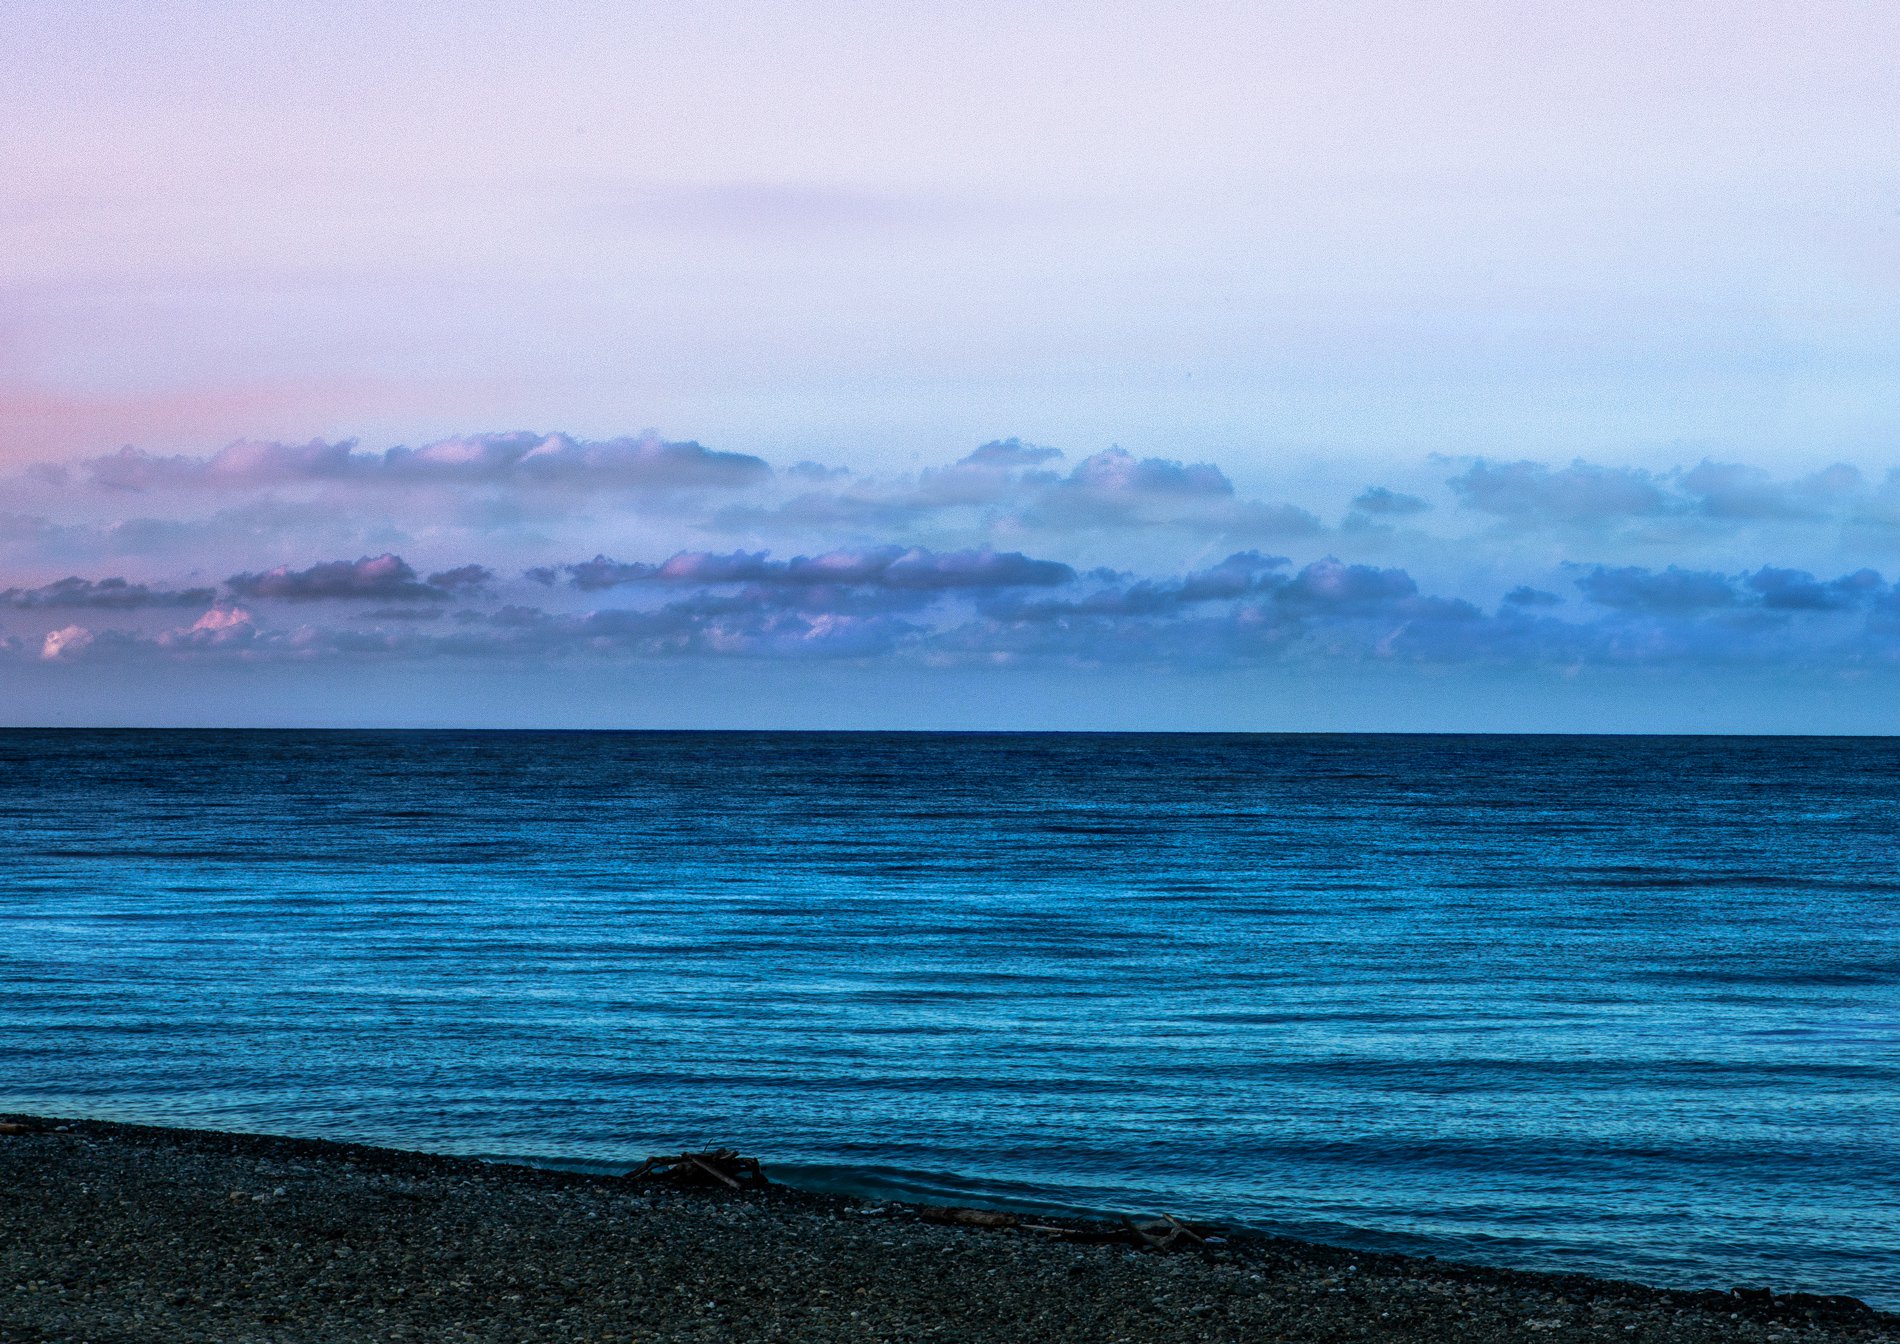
pixel 1622 1005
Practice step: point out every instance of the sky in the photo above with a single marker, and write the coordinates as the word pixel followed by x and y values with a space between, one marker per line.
pixel 1383 366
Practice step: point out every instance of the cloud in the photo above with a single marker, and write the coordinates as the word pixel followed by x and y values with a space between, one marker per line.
pixel 883 566
pixel 1237 576
pixel 1584 494
pixel 1010 552
pixel 1729 491
pixel 136 471
pixel 1114 489
pixel 113 594
pixel 220 628
pixel 1115 473
pixel 1008 486
pixel 463 579
pixel 382 578
pixel 742 626
pixel 1797 590
pixel 1382 502
pixel 1247 609
pixel 1008 453
pixel 26 532
pixel 1581 493
pixel 644 463
pixel 1681 591
pixel 1339 587
pixel 1633 588
pixel 67 642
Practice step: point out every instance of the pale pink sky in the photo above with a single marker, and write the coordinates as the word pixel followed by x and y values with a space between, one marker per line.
pixel 866 232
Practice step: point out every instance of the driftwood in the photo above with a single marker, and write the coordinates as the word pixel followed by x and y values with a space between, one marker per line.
pixel 718 1166
pixel 1168 1233
pixel 939 1213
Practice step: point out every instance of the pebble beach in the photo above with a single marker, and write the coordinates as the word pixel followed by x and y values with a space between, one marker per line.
pixel 119 1234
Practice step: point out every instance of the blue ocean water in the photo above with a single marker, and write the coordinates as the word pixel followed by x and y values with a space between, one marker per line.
pixel 1623 1005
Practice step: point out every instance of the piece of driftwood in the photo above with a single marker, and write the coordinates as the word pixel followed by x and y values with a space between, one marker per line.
pixel 1167 1234
pixel 718 1166
pixel 940 1213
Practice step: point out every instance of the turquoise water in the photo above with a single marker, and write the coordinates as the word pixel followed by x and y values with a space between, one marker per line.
pixel 1629 1006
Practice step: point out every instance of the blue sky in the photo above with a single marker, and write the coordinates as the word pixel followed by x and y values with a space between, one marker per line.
pixel 1199 365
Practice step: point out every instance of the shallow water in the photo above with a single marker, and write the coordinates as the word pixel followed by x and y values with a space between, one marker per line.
pixel 1629 1006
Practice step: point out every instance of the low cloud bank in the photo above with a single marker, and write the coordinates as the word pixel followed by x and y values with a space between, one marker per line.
pixel 1013 552
pixel 643 463
pixel 1584 494
pixel 987 608
pixel 880 566
pixel 382 578
pixel 111 594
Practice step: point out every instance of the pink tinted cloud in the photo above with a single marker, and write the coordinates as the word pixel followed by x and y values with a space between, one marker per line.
pixel 523 458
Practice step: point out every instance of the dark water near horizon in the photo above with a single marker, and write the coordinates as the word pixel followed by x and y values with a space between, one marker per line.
pixel 1622 1005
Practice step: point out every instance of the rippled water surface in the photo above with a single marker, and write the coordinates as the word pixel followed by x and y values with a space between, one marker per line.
pixel 1623 1005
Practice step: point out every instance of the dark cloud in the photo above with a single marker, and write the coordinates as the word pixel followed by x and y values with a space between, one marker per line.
pixel 1240 611
pixel 463 579
pixel 1797 590
pixel 381 578
pixel 815 471
pixel 1235 577
pixel 1633 588
pixel 883 566
pixel 1009 453
pixel 1677 591
pixel 106 594
pixel 1385 503
pixel 1339 587
pixel 1526 596
pixel 1246 609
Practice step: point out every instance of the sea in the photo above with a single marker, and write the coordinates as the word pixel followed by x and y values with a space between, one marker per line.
pixel 1621 1005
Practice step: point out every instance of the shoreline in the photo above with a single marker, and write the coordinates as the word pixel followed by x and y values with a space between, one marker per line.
pixel 132 1233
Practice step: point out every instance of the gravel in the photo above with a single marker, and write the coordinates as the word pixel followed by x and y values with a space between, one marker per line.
pixel 116 1234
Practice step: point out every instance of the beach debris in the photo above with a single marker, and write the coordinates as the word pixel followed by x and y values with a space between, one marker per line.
pixel 716 1166
pixel 1166 1233
pixel 943 1213
pixel 14 1127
